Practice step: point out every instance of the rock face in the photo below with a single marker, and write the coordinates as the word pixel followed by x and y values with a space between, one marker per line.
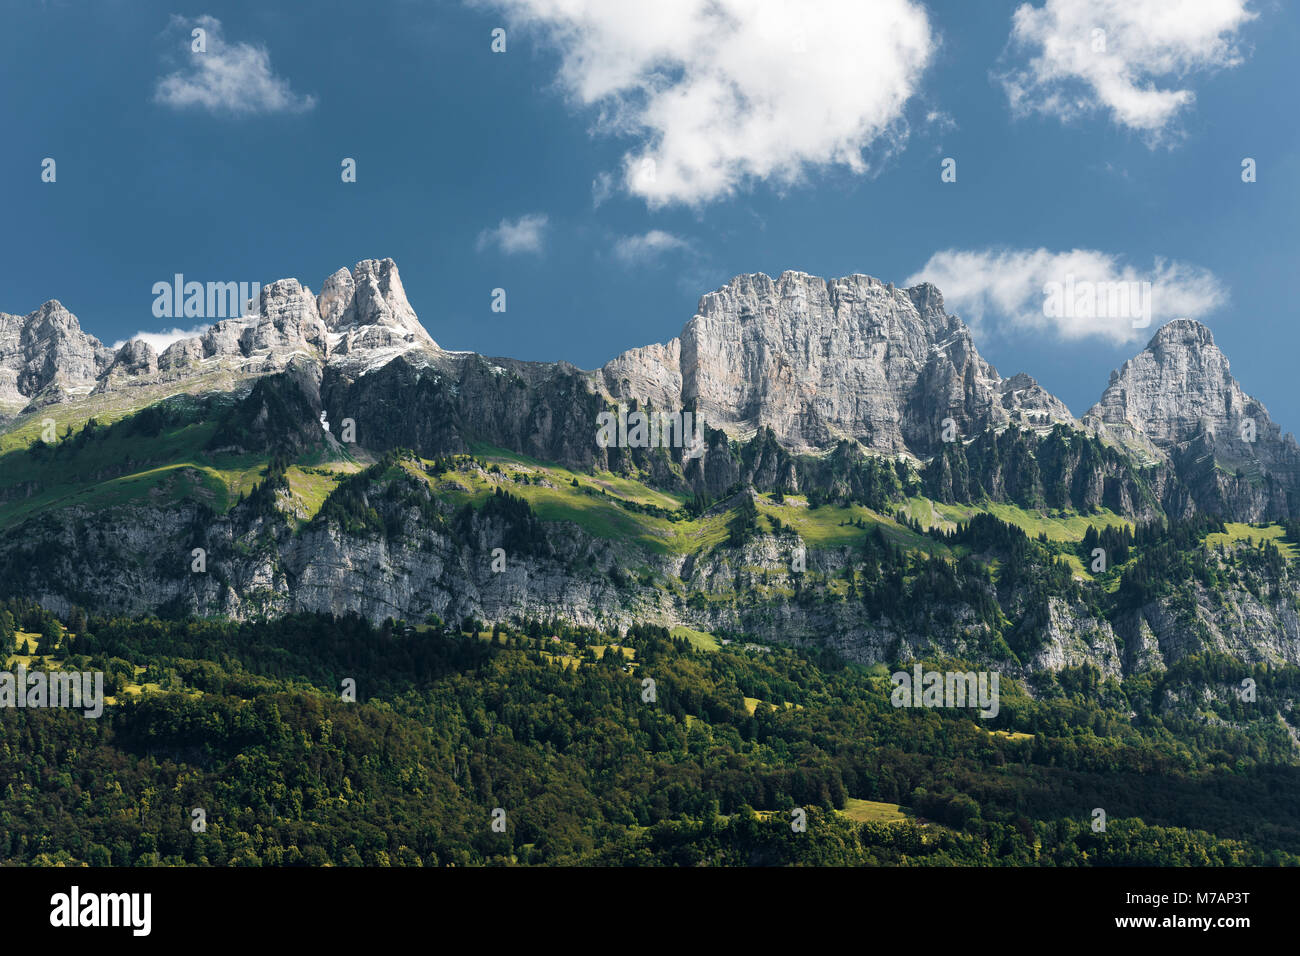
pixel 286 321
pixel 1177 388
pixel 818 361
pixel 1178 400
pixel 45 356
pixel 418 558
pixel 135 359
pixel 367 311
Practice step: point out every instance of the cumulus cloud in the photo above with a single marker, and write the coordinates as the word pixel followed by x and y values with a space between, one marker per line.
pixel 159 341
pixel 1130 58
pixel 720 93
pixel 648 248
pixel 230 78
pixel 525 234
pixel 1072 295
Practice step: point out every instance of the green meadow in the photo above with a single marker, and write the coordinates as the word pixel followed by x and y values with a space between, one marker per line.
pixel 120 467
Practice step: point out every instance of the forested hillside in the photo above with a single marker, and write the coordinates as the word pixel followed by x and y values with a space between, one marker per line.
pixel 555 726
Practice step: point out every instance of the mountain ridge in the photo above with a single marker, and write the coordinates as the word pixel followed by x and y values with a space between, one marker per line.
pixel 818 360
pixel 434 460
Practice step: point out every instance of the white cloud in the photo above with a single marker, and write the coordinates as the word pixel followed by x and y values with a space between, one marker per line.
pixel 939 121
pixel 233 78
pixel 1086 55
pixel 524 234
pixel 646 249
pixel 159 341
pixel 1072 295
pixel 720 93
pixel 602 187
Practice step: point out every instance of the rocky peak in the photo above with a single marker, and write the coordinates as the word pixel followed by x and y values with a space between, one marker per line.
pixel 45 353
pixel 135 357
pixel 335 297
pixel 1177 400
pixel 287 320
pixel 361 318
pixel 367 310
pixel 1176 388
pixel 927 299
pixel 51 317
pixel 378 298
pixel 821 360
pixel 54 326
pixel 135 363
pixel 1181 334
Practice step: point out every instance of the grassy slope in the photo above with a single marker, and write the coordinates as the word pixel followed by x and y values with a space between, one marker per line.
pixel 1057 525
pixel 872 811
pixel 170 467
pixel 1241 535
pixel 108 407
pixel 176 467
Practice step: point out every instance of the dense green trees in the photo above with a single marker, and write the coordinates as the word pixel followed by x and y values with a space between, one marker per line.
pixel 251 727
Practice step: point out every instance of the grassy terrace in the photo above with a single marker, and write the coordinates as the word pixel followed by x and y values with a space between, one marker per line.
pixel 173 466
pixel 700 640
pixel 1057 525
pixel 108 407
pixel 824 527
pixel 118 469
pixel 613 484
pixel 593 505
pixel 1240 535
pixel 830 526
pixel 872 811
pixel 310 485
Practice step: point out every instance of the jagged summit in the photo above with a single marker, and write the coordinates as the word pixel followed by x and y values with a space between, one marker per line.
pixel 46 353
pixel 1177 400
pixel 820 360
pixel 1177 387
pixel 361 318
pixel 369 309
pixel 1181 333
pixel 925 294
pixel 816 360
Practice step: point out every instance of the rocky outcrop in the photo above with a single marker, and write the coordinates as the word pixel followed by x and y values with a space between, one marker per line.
pixel 1178 401
pixel 135 360
pixel 820 361
pixel 366 323
pixel 1177 388
pixel 46 358
pixel 367 317
pixel 421 556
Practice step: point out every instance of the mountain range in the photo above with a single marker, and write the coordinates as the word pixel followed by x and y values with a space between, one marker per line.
pixel 816 361
pixel 120 464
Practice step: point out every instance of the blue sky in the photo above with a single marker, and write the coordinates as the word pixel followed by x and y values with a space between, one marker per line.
pixel 820 151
